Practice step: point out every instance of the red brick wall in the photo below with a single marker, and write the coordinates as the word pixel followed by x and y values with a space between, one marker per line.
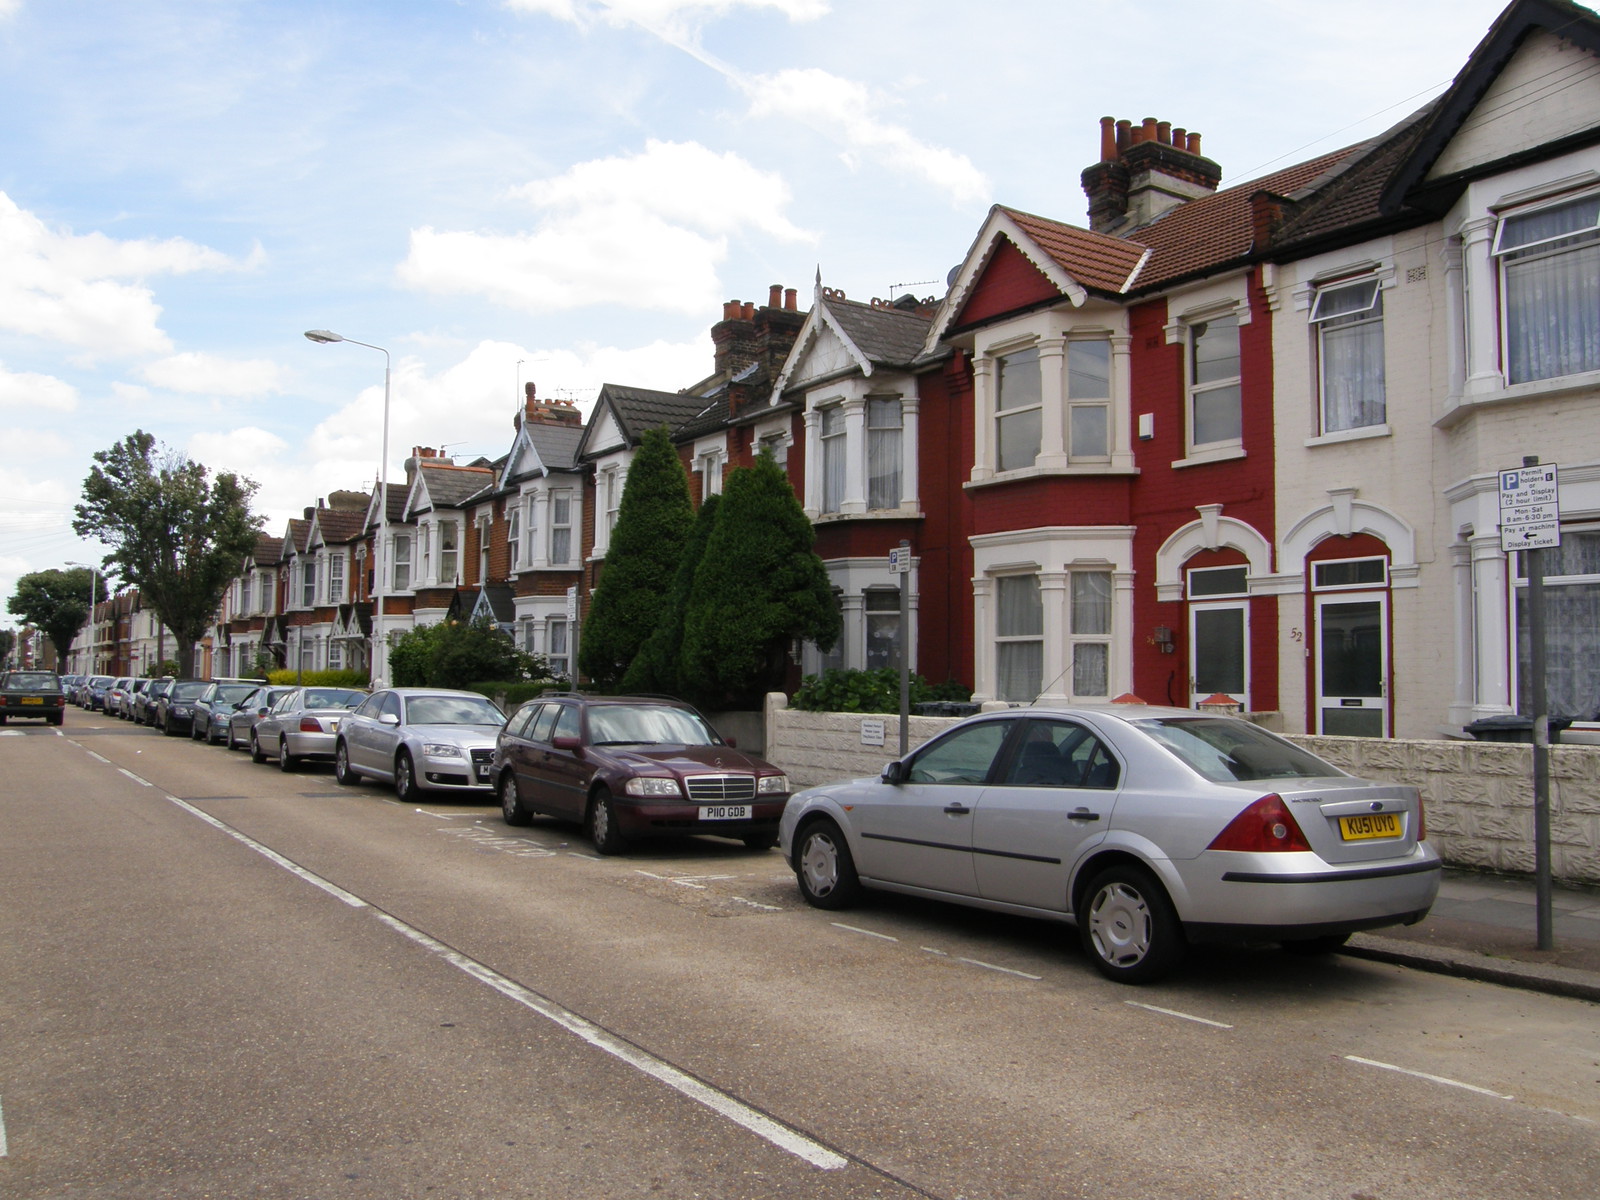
pixel 1009 283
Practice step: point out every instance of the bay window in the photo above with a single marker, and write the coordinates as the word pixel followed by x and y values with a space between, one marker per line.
pixel 1089 398
pixel 1019 638
pixel 449 549
pixel 1550 287
pixel 402 563
pixel 834 457
pixel 335 579
pixel 1090 633
pixel 560 527
pixel 1572 614
pixel 1019 410
pixel 884 426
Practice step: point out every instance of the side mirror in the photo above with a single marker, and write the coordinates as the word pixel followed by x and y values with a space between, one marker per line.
pixel 388 719
pixel 731 743
pixel 894 773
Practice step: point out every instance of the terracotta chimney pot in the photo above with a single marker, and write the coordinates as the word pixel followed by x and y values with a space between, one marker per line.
pixel 791 298
pixel 1108 138
pixel 1164 132
pixel 775 295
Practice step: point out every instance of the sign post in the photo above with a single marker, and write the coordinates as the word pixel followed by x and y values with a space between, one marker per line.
pixel 900 564
pixel 1530 521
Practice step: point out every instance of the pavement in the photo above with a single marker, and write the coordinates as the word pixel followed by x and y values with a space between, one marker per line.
pixel 1485 927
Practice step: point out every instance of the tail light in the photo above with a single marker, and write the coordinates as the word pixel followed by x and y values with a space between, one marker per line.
pixel 1267 826
pixel 310 725
pixel 1422 819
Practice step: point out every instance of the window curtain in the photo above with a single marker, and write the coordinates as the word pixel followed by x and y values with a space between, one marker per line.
pixel 1352 376
pixel 1091 614
pixel 883 454
pixel 1572 615
pixel 1553 314
pixel 833 459
pixel 1019 661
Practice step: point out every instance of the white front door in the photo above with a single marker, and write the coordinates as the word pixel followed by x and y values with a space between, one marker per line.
pixel 1219 651
pixel 1352 664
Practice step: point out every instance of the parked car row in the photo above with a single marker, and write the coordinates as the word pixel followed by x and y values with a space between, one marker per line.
pixel 1149 829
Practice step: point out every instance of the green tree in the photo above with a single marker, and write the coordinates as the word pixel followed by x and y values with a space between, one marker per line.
pixel 653 521
pixel 8 643
pixel 175 532
pixel 656 668
pixel 454 654
pixel 57 602
pixel 758 589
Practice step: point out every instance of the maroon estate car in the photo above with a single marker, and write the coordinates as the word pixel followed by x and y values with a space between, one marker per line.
pixel 633 767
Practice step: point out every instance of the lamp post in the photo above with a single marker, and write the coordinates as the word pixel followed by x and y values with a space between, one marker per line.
pixel 94 591
pixel 380 649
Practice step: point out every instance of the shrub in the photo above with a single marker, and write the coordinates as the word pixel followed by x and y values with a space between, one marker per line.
pixel 284 677
pixel 511 696
pixel 453 654
pixel 877 691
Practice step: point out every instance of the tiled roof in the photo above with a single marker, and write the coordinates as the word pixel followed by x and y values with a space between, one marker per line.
pixel 557 444
pixel 1096 260
pixel 641 408
pixel 886 335
pixel 341 525
pixel 449 486
pixel 295 540
pixel 1214 230
pixel 268 549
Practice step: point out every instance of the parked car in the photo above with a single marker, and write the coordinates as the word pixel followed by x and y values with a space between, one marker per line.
pixel 303 724
pixel 145 702
pixel 33 694
pixel 175 708
pixel 130 698
pixel 1149 828
pixel 215 705
pixel 116 694
pixel 250 710
pixel 633 767
pixel 420 738
pixel 95 689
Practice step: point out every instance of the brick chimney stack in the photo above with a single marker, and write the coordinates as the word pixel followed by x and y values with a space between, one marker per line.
pixel 1143 171
pixel 545 412
pixel 748 335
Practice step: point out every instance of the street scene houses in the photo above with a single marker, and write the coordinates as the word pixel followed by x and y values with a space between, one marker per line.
pixel 1183 442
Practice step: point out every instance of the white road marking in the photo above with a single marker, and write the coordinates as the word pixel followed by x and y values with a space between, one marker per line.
pixel 97 758
pixel 719 1102
pixel 1172 1012
pixel 4 1151
pixel 987 966
pixel 754 904
pixel 868 932
pixel 1471 1087
pixel 135 778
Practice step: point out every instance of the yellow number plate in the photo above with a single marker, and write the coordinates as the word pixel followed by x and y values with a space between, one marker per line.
pixel 1369 825
pixel 33 699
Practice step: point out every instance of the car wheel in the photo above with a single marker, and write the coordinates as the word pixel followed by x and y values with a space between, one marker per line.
pixel 1326 944
pixel 256 754
pixel 286 762
pixel 1128 927
pixel 603 830
pixel 168 731
pixel 824 868
pixel 760 841
pixel 405 779
pixel 511 803
pixel 343 773
pixel 58 718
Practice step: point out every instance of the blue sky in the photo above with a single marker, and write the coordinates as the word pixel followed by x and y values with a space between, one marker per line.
pixel 561 191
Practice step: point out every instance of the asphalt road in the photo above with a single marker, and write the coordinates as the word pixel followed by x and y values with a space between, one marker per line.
pixel 219 980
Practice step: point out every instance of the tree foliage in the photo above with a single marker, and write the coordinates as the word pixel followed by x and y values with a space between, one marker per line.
pixel 175 532
pixel 657 666
pixel 758 588
pixel 57 602
pixel 646 545
pixel 8 643
pixel 454 654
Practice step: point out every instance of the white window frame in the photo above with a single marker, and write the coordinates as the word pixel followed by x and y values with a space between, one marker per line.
pixel 1082 636
pixel 561 526
pixel 399 561
pixel 1000 414
pixel 879 433
pixel 1366 316
pixel 558 645
pixel 335 584
pixel 308 582
pixel 449 552
pixel 514 533
pixel 833 458
pixel 1506 257
pixel 709 465
pixel 1195 389
pixel 1024 638
pixel 1077 404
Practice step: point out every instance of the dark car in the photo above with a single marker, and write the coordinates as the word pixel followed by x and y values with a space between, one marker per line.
pixel 634 767
pixel 95 690
pixel 175 709
pixel 35 694
pixel 250 710
pixel 216 705
pixel 145 701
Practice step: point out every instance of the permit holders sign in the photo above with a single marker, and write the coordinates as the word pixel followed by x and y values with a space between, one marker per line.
pixel 1530 508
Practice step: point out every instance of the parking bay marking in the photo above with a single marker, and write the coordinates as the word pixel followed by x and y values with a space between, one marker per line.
pixel 1471 1087
pixel 1172 1012
pixel 719 1102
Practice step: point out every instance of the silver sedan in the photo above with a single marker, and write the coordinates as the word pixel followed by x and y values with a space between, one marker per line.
pixel 420 739
pixel 302 725
pixel 1148 828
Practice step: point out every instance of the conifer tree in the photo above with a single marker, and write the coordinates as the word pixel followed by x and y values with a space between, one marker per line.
pixel 656 667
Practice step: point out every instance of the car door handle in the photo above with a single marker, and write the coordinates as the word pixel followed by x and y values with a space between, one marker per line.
pixel 957 810
pixel 1082 814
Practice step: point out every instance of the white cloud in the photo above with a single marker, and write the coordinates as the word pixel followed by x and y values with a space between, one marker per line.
pixel 65 287
pixel 844 109
pixel 236 450
pixel 28 392
pixel 644 231
pixel 215 375
pixel 10 8
pixel 661 13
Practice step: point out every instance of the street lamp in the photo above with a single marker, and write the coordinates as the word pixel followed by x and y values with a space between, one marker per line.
pixel 94 591
pixel 380 649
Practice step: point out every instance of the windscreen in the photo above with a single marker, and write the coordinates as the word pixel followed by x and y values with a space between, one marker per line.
pixel 452 710
pixel 647 724
pixel 1223 749
pixel 31 681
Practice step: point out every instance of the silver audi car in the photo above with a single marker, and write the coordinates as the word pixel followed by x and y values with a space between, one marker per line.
pixel 420 739
pixel 1149 828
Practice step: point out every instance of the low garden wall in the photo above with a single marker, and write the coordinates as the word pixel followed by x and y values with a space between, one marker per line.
pixel 1478 795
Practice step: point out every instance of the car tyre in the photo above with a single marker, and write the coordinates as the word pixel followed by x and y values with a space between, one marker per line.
pixel 286 762
pixel 602 821
pixel 58 718
pixel 1128 927
pixel 405 779
pixel 256 754
pixel 343 773
pixel 511 803
pixel 1328 943
pixel 824 867
pixel 167 730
